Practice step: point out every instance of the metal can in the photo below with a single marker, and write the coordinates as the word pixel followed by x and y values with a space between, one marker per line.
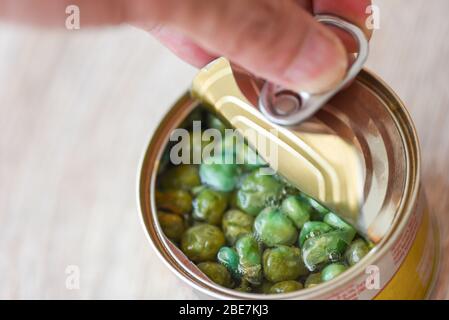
pixel 403 265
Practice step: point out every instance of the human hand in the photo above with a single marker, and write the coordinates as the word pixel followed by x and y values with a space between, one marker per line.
pixel 274 39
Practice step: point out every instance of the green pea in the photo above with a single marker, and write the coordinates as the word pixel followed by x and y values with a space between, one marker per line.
pixel 325 248
pixel 217 273
pixel 356 251
pixel 297 210
pixel 172 224
pixel 209 206
pixel 286 286
pixel 273 228
pixel 184 177
pixel 176 201
pixel 244 286
pixel 236 224
pixel 202 242
pixel 214 123
pixel 335 221
pixel 332 270
pixel 313 280
pixel 250 260
pixel 312 229
pixel 218 174
pixel 258 191
pixel 319 211
pixel 230 259
pixel 265 287
pixel 283 263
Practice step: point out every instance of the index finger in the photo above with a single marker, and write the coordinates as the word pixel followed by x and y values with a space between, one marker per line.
pixel 354 11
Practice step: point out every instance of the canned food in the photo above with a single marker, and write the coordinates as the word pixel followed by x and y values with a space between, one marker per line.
pixel 403 265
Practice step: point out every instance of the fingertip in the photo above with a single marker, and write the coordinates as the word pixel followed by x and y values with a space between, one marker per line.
pixel 320 65
pixel 347 39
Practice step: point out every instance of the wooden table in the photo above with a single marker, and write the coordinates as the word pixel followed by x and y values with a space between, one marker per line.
pixel 76 110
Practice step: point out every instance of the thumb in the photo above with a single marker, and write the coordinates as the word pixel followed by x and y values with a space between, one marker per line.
pixel 276 40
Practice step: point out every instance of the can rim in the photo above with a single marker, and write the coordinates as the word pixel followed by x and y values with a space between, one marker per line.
pixel 405 126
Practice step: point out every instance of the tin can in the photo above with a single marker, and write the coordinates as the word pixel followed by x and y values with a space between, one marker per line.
pixel 403 265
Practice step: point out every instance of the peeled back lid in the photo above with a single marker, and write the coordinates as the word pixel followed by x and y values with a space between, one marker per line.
pixel 350 156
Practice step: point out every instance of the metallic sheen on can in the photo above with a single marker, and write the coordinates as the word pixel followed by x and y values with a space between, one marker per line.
pixel 403 265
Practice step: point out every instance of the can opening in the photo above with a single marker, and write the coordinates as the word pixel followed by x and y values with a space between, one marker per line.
pixel 378 126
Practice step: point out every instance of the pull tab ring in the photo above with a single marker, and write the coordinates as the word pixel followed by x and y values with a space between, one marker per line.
pixel 288 108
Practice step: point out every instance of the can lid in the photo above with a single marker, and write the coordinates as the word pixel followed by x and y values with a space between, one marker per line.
pixel 367 115
pixel 319 163
pixel 349 156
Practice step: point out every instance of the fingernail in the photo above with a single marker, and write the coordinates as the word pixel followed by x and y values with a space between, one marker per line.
pixel 320 65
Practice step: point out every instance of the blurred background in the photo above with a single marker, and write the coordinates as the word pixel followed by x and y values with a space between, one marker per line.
pixel 76 111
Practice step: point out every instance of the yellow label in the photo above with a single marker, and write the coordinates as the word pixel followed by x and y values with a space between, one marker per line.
pixel 413 279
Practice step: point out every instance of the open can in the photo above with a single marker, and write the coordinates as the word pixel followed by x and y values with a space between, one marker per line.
pixel 403 265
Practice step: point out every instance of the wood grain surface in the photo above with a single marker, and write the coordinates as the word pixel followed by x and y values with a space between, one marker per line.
pixel 78 107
